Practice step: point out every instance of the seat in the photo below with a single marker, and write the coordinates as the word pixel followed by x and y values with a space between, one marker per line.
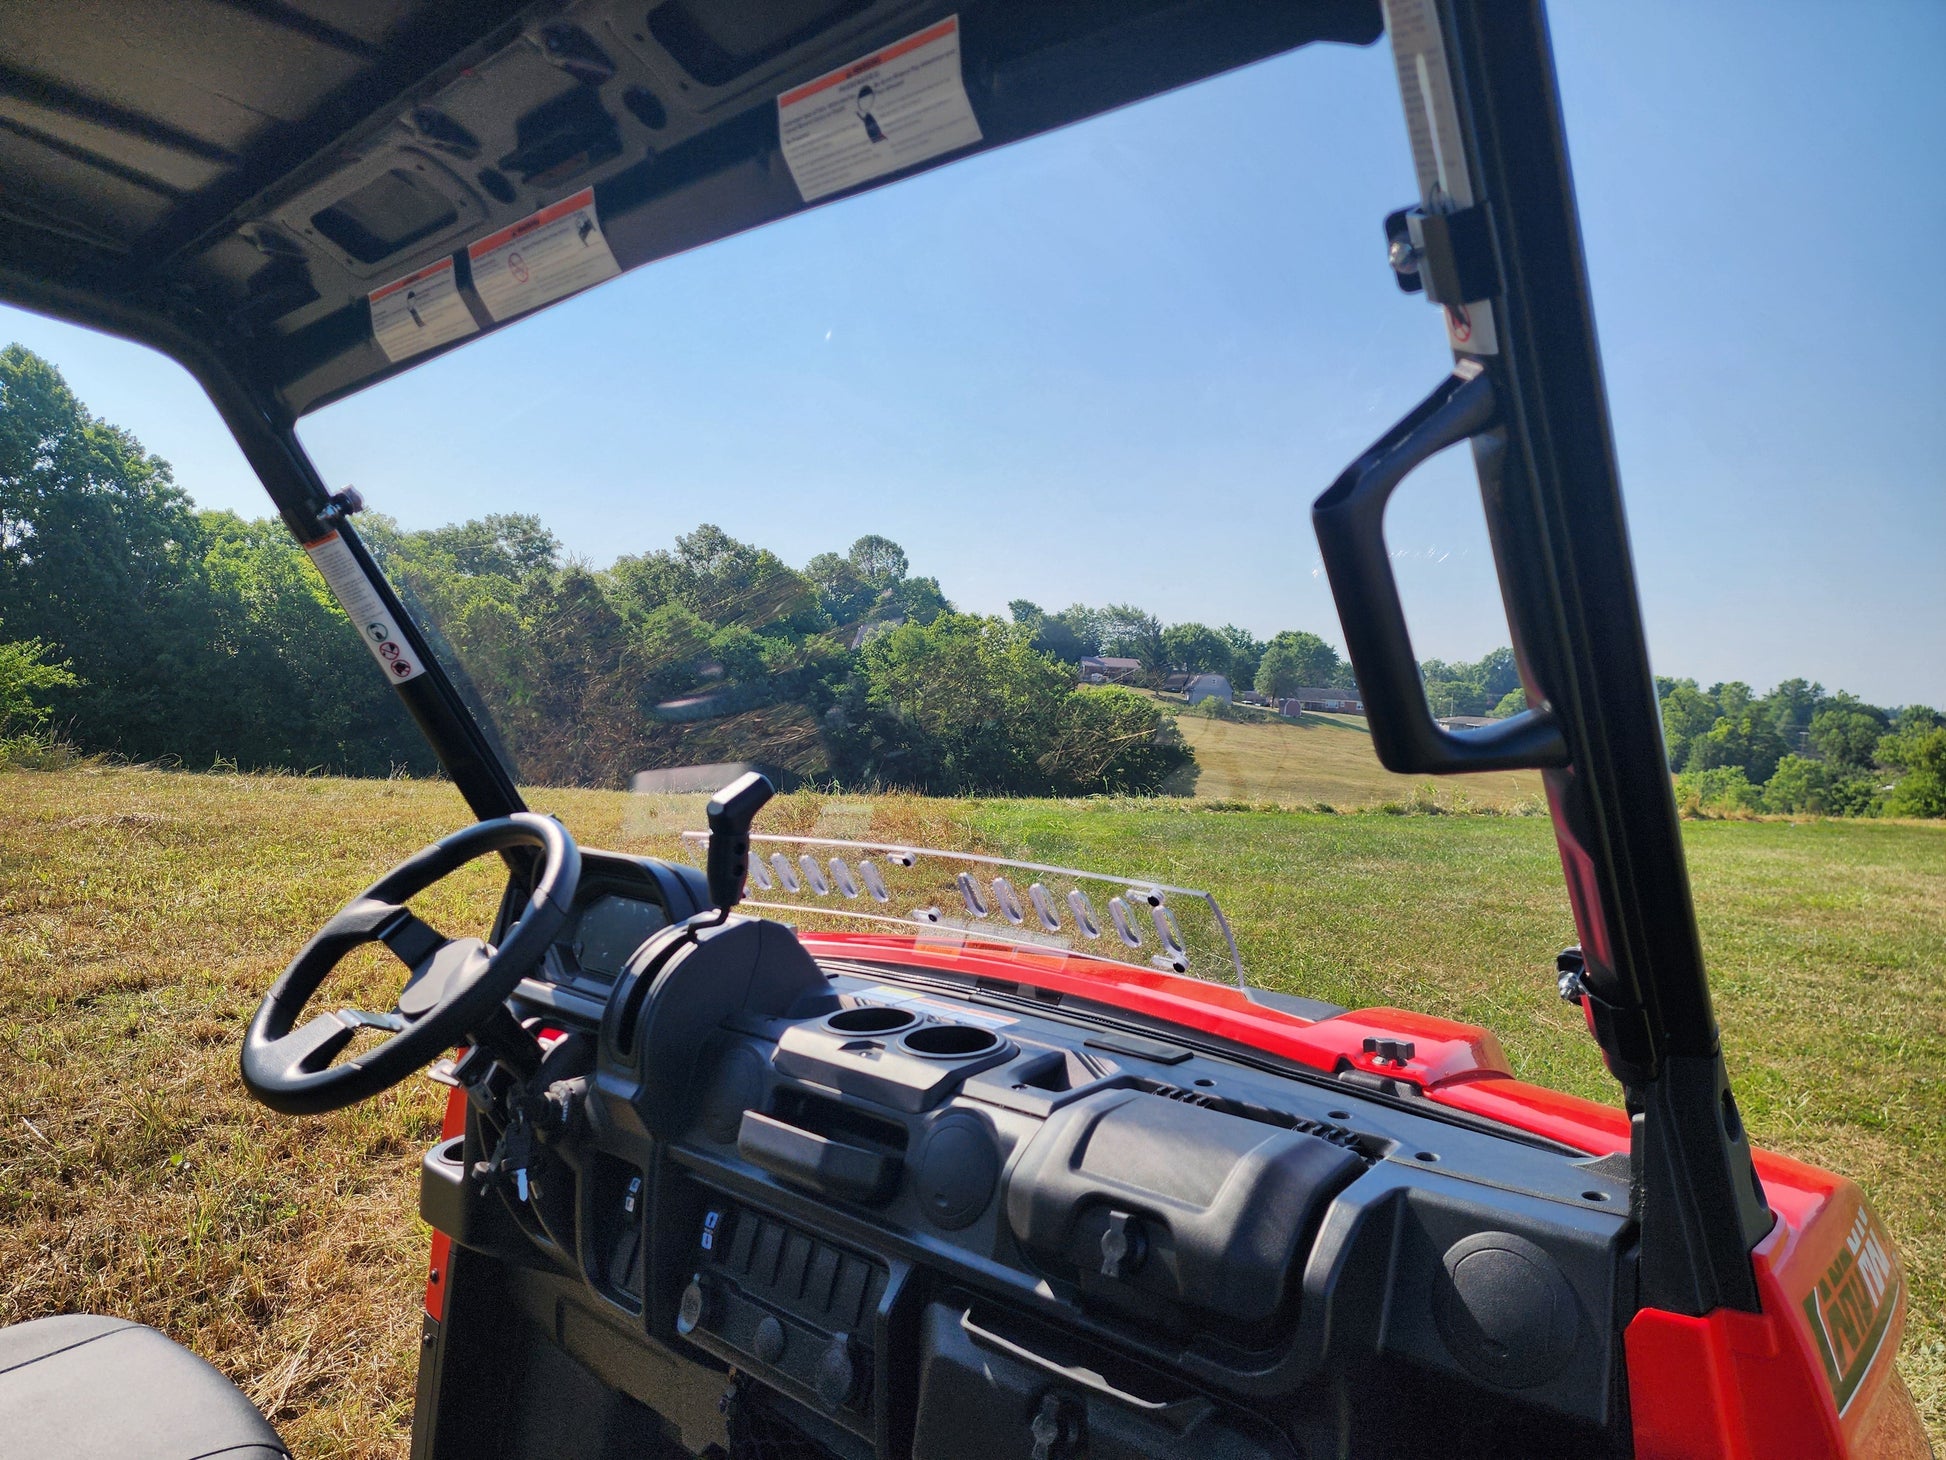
pixel 82 1387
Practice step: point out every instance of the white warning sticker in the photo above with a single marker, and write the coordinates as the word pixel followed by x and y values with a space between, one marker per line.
pixel 885 111
pixel 1438 155
pixel 553 253
pixel 413 314
pixel 367 611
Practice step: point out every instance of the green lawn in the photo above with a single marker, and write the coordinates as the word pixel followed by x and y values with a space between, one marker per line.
pixel 143 913
pixel 1327 759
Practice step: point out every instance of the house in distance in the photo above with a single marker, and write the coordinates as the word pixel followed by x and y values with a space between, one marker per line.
pixel 1323 701
pixel 1106 669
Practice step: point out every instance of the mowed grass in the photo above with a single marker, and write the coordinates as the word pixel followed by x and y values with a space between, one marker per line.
pixel 1325 759
pixel 142 914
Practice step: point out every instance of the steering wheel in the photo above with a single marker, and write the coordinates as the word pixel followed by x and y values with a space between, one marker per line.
pixel 456 984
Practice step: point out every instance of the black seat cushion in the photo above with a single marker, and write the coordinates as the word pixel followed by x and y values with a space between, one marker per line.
pixel 79 1387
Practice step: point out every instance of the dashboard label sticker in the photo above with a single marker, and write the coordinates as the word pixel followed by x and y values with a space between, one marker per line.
pixel 889 110
pixel 1438 155
pixel 365 608
pixel 555 252
pixel 413 314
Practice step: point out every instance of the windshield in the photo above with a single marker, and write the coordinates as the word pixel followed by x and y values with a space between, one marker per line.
pixel 993 483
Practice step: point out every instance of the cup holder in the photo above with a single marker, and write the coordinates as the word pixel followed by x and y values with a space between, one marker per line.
pixel 949 1042
pixel 870 1019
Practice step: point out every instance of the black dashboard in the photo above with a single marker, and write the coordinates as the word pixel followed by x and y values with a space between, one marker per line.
pixel 878 1211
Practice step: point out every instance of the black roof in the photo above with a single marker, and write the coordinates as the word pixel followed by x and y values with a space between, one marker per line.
pixel 235 177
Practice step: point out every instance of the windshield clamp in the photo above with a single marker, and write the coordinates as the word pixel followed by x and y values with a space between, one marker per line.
pixel 1446 255
pixel 341 504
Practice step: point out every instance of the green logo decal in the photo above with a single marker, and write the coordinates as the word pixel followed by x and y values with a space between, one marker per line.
pixel 1851 1307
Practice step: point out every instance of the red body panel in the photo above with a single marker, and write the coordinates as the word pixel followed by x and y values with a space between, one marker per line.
pixel 1728 1386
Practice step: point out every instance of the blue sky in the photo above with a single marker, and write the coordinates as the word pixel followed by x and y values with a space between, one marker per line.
pixel 1118 363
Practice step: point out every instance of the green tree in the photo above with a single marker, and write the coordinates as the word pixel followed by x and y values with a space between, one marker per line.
pixel 1800 784
pixel 1846 732
pixel 843 596
pixel 1497 674
pixel 1791 706
pixel 1196 649
pixel 25 676
pixel 1918 752
pixel 1131 633
pixel 1687 713
pixel 1745 739
pixel 720 579
pixel 964 704
pixel 918 599
pixel 1294 660
pixel 878 560
pixel 1511 703
pixel 1083 624
pixel 1732 698
pixel 1246 653
pixel 100 559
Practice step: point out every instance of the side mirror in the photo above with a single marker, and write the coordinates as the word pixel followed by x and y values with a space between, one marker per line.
pixel 731 810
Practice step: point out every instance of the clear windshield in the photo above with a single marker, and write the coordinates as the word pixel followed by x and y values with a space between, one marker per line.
pixel 993 483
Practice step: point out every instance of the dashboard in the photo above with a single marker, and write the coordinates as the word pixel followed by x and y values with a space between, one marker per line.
pixel 878 1210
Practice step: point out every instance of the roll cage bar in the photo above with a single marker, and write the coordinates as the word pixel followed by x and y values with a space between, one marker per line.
pixel 1494 240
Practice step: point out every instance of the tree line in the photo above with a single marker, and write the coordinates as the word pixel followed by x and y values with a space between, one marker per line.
pixel 1800 749
pixel 133 623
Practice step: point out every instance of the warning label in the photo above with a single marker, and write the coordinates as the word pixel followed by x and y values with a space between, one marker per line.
pixel 361 603
pixel 413 314
pixel 888 110
pixel 556 252
pixel 1439 157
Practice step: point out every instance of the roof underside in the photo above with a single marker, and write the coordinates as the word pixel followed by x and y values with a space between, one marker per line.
pixel 246 172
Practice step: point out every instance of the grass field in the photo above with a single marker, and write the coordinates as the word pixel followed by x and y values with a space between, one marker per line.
pixel 142 914
pixel 1323 759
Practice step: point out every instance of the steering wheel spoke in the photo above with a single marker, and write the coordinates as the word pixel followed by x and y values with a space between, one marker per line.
pixel 411 940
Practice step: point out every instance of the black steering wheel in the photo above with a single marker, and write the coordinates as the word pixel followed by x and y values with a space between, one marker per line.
pixel 456 984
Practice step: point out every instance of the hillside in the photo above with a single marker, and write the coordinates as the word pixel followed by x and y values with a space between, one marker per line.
pixel 1322 758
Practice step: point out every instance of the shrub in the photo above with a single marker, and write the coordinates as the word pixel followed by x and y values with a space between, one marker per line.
pixel 1717 791
pixel 1111 739
pixel 1801 785
pixel 1919 754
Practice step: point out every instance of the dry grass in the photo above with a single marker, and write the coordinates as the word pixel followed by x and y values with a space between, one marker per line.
pixel 143 913
pixel 1328 759
pixel 141 917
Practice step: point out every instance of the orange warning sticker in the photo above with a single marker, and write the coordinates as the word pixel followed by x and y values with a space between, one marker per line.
pixel 898 106
pixel 546 256
pixel 424 309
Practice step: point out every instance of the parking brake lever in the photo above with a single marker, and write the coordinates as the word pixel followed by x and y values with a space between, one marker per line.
pixel 730 811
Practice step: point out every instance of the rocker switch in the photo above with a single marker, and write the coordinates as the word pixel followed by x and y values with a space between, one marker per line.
pixel 1123 1245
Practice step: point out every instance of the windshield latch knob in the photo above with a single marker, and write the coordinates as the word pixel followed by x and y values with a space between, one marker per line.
pixel 1389 1051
